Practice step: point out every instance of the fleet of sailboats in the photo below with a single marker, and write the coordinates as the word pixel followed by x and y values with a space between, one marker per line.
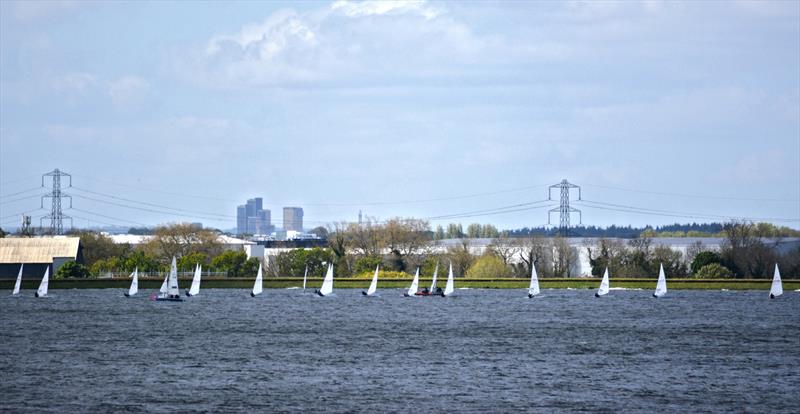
pixel 134 283
pixel 327 284
pixel 173 294
pixel 194 290
pixel 603 290
pixel 373 286
pixel 42 291
pixel 18 283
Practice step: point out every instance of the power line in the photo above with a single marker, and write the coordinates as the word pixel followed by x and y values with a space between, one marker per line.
pixel 20 192
pixel 154 205
pixel 108 217
pixel 668 194
pixel 148 209
pixel 668 213
pixel 20 199
pixel 457 215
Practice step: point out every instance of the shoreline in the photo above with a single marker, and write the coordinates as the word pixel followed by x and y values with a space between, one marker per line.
pixel 360 283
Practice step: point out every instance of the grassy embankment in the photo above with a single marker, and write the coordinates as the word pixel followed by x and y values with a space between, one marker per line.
pixel 283 282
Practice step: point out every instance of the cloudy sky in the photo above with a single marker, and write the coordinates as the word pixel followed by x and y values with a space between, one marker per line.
pixel 455 111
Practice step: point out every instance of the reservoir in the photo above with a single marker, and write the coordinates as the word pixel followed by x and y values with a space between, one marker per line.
pixel 480 351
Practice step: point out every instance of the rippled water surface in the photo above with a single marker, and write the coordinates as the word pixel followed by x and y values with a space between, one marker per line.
pixel 482 351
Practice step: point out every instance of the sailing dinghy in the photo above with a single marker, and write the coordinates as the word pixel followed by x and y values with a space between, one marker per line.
pixel 374 285
pixel 173 294
pixel 603 285
pixel 449 288
pixel 258 286
pixel 305 278
pixel 42 291
pixel 533 289
pixel 134 284
pixel 776 289
pixel 661 285
pixel 194 290
pixel 412 290
pixel 327 284
pixel 18 283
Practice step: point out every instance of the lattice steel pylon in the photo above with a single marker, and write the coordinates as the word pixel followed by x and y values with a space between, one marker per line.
pixel 564 209
pixel 56 217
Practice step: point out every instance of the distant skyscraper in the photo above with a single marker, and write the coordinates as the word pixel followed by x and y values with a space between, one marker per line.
pixel 251 218
pixel 292 219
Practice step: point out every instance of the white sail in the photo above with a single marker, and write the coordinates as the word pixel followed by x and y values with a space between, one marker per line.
pixel 533 289
pixel 42 292
pixel 134 283
pixel 412 290
pixel 173 290
pixel 305 278
pixel 776 289
pixel 374 285
pixel 448 289
pixel 433 282
pixel 18 283
pixel 164 286
pixel 603 285
pixel 327 284
pixel 195 288
pixel 258 286
pixel 661 285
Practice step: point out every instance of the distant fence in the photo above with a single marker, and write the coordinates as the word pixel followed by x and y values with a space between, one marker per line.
pixel 159 275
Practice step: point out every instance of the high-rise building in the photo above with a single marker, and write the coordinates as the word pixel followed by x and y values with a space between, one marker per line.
pixel 251 218
pixel 293 219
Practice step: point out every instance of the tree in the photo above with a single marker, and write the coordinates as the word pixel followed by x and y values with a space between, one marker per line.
pixel 439 234
pixel 672 260
pixel 474 231
pixel 320 231
pixel 176 240
pixel 2 233
pixel 488 266
pixel 713 271
pixel 295 261
pixel 536 251
pixel 744 253
pixel 366 263
pixel 564 257
pixel 97 246
pixel 235 264
pixel 504 248
pixel 138 259
pixel 404 237
pixel 704 258
pixel 188 262
pixel 461 258
pixel 455 231
pixel 72 270
pixel 338 241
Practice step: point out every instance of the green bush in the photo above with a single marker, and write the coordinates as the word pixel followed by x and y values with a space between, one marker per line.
pixel 488 267
pixel 383 274
pixel 72 270
pixel 713 271
pixel 366 263
pixel 705 258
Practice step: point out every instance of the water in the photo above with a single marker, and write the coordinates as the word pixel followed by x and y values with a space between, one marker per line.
pixel 483 351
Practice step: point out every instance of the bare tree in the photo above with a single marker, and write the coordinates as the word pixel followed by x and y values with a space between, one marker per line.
pixel 181 239
pixel 505 248
pixel 536 251
pixel 564 258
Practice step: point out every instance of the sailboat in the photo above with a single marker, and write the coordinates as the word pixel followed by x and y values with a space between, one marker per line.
pixel 327 284
pixel 305 278
pixel 42 291
pixel 448 288
pixel 776 289
pixel 18 283
pixel 374 285
pixel 603 285
pixel 194 290
pixel 533 289
pixel 258 286
pixel 164 286
pixel 661 285
pixel 432 291
pixel 412 290
pixel 134 283
pixel 173 294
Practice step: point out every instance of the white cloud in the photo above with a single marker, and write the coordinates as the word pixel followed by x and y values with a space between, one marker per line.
pixel 377 8
pixel 128 90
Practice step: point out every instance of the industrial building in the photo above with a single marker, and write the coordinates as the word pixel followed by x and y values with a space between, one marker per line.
pixel 37 254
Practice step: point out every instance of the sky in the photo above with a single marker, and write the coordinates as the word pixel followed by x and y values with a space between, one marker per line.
pixel 661 112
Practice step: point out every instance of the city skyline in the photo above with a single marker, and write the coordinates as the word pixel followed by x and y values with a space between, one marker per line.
pixel 658 115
